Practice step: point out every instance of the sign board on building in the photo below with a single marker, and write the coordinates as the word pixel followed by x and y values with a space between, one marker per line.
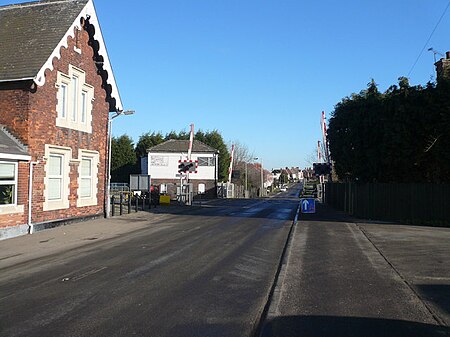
pixel 140 182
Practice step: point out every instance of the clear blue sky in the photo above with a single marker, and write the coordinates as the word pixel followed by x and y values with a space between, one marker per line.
pixel 261 71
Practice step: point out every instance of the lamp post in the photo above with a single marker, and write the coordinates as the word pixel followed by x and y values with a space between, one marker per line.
pixel 262 179
pixel 246 174
pixel 108 183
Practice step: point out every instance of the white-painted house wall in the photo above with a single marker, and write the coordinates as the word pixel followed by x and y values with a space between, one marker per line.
pixel 162 165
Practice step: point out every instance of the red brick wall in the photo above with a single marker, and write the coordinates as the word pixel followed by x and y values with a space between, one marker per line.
pixel 7 220
pixel 44 130
pixel 31 116
pixel 14 104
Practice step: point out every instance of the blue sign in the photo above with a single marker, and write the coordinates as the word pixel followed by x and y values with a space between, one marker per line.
pixel 308 205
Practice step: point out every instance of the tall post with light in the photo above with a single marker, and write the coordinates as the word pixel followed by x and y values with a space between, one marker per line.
pixel 262 179
pixel 108 183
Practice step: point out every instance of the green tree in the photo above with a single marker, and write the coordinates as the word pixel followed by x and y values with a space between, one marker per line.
pixel 123 159
pixel 146 141
pixel 215 140
pixel 396 136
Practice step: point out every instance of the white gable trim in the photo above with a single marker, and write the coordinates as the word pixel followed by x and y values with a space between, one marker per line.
pixel 14 156
pixel 87 11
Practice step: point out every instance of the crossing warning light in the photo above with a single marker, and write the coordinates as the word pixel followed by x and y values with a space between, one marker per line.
pixel 185 166
pixel 322 169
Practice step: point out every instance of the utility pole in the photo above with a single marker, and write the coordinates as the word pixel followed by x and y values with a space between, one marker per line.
pixel 262 179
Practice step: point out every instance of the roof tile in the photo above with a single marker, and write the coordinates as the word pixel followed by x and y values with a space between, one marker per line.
pixel 29 32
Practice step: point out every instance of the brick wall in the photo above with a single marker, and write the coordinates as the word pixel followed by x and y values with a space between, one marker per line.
pixel 44 130
pixel 31 116
pixel 14 101
pixel 7 220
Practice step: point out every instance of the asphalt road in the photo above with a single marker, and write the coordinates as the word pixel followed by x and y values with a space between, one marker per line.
pixel 206 271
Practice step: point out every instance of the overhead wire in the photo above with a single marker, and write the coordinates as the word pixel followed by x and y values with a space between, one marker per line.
pixel 428 40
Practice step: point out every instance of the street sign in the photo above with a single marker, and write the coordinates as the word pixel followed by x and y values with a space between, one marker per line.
pixel 308 205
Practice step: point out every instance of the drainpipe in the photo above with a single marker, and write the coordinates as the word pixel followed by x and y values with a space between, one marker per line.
pixel 30 195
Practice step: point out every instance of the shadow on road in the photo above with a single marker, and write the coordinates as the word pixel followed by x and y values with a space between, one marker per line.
pixel 333 326
pixel 268 208
pixel 438 294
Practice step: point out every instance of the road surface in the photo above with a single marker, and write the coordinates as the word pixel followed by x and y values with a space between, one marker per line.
pixel 205 271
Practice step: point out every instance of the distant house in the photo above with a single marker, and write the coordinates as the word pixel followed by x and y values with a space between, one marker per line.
pixel 276 174
pixel 56 91
pixel 162 163
pixel 308 173
pixel 294 173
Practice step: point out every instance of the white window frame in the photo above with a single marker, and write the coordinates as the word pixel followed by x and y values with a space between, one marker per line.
pixel 11 182
pixel 201 189
pixel 163 188
pixel 56 176
pixel 94 157
pixel 62 99
pixel 75 85
pixel 87 177
pixel 73 112
pixel 209 161
pixel 66 153
pixel 13 208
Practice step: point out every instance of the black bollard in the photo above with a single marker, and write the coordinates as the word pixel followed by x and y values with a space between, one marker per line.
pixel 113 207
pixel 121 204
pixel 143 202
pixel 129 203
pixel 137 202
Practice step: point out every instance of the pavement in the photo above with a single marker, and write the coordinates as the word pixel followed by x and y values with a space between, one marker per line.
pixel 59 239
pixel 342 277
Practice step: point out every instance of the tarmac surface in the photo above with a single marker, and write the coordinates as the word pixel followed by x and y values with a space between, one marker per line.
pixel 208 271
pixel 174 271
pixel 344 278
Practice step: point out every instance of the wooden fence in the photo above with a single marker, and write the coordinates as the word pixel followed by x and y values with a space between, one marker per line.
pixel 410 203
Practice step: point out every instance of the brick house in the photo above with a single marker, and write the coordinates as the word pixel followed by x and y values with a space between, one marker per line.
pixel 56 91
pixel 162 163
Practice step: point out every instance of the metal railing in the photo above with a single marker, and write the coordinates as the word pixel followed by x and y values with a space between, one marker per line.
pixel 126 202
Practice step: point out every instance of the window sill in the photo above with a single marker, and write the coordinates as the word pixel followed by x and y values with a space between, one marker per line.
pixel 55 205
pixel 11 209
pixel 86 202
pixel 64 123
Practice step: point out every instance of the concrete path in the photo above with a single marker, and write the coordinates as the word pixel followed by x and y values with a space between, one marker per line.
pixel 343 279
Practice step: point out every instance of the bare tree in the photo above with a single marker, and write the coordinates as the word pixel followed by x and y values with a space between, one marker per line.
pixel 241 152
pixel 311 158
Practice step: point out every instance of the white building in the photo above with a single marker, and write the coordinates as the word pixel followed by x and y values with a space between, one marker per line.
pixel 162 163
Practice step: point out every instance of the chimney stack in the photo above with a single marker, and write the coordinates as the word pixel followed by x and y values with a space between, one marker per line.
pixel 443 68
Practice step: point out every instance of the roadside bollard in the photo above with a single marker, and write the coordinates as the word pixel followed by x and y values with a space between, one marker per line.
pixel 136 203
pixel 113 207
pixel 143 203
pixel 121 204
pixel 129 203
